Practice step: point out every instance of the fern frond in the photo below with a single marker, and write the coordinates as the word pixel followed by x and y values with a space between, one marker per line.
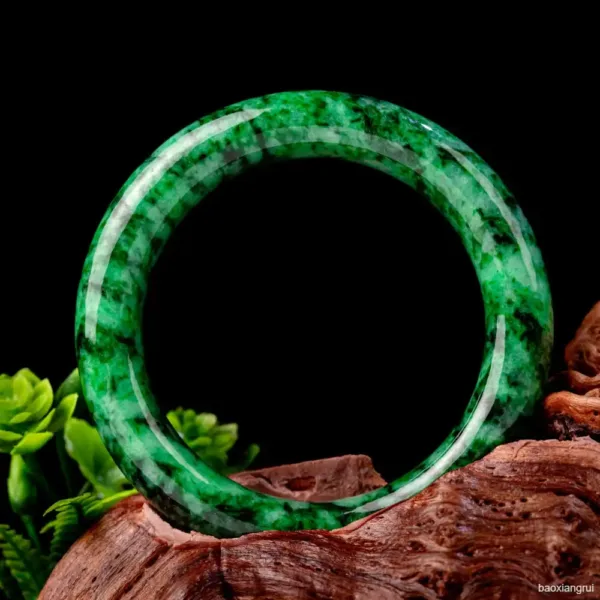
pixel 8 585
pixel 82 501
pixel 66 528
pixel 73 517
pixel 97 508
pixel 23 561
pixel 68 525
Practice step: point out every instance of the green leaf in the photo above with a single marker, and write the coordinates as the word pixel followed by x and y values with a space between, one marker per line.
pixel 211 441
pixel 98 508
pixel 67 526
pixel 43 397
pixel 23 561
pixel 73 517
pixel 190 424
pixel 200 442
pixel 190 429
pixel 20 418
pixel 225 436
pixel 22 491
pixel 84 445
pixel 29 401
pixel 22 390
pixel 15 394
pixel 9 436
pixel 8 439
pixel 71 385
pixel 230 428
pixel 8 584
pixel 31 442
pixel 84 500
pixel 189 416
pixel 249 457
pixel 43 424
pixel 29 375
pixel 205 422
pixel 64 411
pixel 215 460
pixel 224 441
pixel 174 420
pixel 6 388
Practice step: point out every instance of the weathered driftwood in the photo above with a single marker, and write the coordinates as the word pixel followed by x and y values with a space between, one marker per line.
pixel 528 514
pixel 583 353
pixel 575 411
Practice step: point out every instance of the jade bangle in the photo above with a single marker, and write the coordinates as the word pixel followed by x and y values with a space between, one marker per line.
pixel 161 192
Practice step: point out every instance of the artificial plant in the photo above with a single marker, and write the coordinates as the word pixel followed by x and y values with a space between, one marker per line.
pixel 61 477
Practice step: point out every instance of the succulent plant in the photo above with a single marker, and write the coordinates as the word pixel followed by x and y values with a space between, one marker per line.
pixel 29 413
pixel 210 440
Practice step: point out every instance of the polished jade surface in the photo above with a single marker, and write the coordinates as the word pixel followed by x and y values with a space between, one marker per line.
pixel 161 192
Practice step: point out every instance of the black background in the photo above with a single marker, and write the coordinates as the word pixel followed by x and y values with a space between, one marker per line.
pixel 322 306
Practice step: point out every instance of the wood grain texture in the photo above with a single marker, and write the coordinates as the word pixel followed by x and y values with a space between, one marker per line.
pixel 582 355
pixel 526 514
pixel 575 411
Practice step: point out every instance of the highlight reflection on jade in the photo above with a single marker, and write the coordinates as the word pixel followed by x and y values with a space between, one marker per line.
pixel 195 161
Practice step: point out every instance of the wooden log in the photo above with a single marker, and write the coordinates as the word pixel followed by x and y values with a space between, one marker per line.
pixel 523 522
pixel 527 515
pixel 575 411
pixel 582 355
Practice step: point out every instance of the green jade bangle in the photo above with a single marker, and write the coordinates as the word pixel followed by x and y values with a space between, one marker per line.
pixel 158 196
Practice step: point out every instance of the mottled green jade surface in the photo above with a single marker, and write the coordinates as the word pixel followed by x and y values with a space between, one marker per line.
pixel 180 174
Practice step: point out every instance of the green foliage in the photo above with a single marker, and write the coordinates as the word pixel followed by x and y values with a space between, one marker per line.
pixel 66 527
pixel 8 584
pixel 85 447
pixel 22 490
pixel 72 386
pixel 210 440
pixel 29 414
pixel 73 516
pixel 24 563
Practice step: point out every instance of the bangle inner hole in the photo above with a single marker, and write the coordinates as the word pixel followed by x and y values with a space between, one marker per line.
pixel 326 308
